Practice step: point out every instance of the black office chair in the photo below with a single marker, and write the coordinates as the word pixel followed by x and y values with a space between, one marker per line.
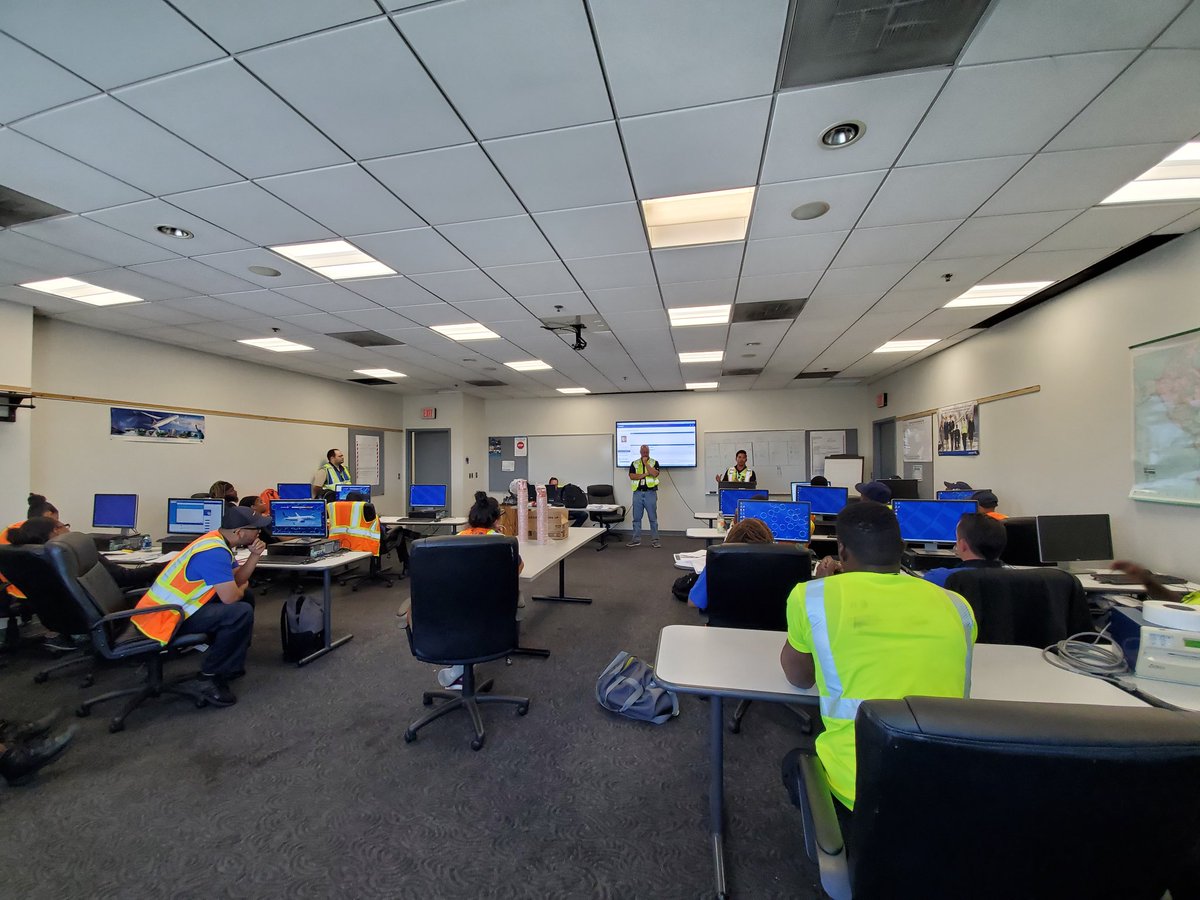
pixel 748 587
pixel 997 799
pixel 28 568
pixel 107 612
pixel 464 611
pixel 1030 607
pixel 603 493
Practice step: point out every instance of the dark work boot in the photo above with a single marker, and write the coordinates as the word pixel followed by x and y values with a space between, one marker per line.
pixel 19 762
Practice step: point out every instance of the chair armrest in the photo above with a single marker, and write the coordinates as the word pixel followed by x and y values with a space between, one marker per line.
pixel 124 614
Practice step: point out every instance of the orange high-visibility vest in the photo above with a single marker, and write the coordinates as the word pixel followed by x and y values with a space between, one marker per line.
pixel 348 526
pixel 173 586
pixel 13 590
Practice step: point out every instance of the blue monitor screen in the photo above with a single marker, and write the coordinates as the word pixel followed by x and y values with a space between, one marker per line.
pixel 788 521
pixel 958 495
pixel 729 498
pixel 426 496
pixel 294 491
pixel 114 511
pixel 931 521
pixel 344 489
pixel 826 501
pixel 298 518
pixel 194 516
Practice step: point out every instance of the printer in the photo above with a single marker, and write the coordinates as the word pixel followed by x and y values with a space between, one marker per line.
pixel 1159 641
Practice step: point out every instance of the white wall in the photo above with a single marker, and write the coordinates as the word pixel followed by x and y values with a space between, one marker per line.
pixel 16 371
pixel 74 456
pixel 684 491
pixel 1069 448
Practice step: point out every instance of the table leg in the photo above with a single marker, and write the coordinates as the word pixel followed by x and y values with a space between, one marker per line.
pixel 716 791
pixel 562 587
pixel 329 643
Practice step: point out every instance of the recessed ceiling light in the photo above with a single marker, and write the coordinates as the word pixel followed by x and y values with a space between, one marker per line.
pixel 174 231
pixel 279 345
pixel 843 134
pixel 264 271
pixel 689 219
pixel 573 391
pixel 699 315
pixel 380 373
pixel 336 260
pixel 1175 178
pixel 529 365
pixel 997 294
pixel 702 356
pixel 472 331
pixel 905 346
pixel 73 289
pixel 813 210
pixel 701 385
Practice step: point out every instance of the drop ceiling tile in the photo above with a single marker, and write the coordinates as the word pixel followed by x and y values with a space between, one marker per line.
pixel 443 314
pixel 847 196
pixel 964 273
pixel 33 83
pixel 699 293
pixel 326 297
pixel 141 220
pixel 1025 30
pixel 226 112
pixel 1013 107
pixel 698 338
pixel 15 273
pixel 344 199
pixel 788 255
pixel 698 263
pixel 1182 226
pixel 1114 226
pixel 516 44
pixel 413 251
pixel 756 288
pixel 563 169
pixel 992 235
pixel 1073 179
pixel 253 23
pixel 917 301
pixel 96 40
pixel 548 306
pixel 321 323
pixel 394 291
pixel 50 176
pixel 594 230
pixel 113 138
pixel 382 104
pixel 211 309
pixel 1155 96
pixel 617 271
pixel 460 287
pixel 499 242
pixel 1048 266
pixel 45 304
pixel 662 148
pixel 93 239
pixel 250 212
pixel 892 244
pixel 503 309
pixel 533 278
pixel 24 250
pixel 195 276
pixel 122 320
pixel 453 184
pixel 1184 31
pixel 860 281
pixel 938 192
pixel 377 319
pixel 162 314
pixel 943 323
pixel 891 107
pixel 625 299
pixel 136 284
pixel 238 262
pixel 267 303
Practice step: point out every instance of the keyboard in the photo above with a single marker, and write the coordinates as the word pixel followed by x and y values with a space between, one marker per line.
pixel 1122 578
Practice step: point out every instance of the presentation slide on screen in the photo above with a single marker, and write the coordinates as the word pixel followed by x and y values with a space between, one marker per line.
pixel 672 443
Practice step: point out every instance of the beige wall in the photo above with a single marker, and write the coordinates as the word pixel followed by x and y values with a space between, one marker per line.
pixel 16 370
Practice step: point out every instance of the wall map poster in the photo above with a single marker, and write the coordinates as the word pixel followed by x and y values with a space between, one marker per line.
pixel 1166 421
pixel 958 429
pixel 155 425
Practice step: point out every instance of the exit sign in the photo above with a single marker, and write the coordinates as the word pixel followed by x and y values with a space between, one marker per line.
pixel 428 412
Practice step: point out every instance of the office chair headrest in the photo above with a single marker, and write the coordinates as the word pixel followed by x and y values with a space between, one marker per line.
pixel 79 548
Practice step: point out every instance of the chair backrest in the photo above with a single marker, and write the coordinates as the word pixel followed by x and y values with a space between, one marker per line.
pixel 601 493
pixel 464 597
pixel 748 584
pixel 1031 607
pixel 76 562
pixel 991 799
pixel 29 569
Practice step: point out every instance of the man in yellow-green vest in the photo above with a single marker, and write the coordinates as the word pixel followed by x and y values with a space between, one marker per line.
pixel 863 630
pixel 332 473
pixel 643 478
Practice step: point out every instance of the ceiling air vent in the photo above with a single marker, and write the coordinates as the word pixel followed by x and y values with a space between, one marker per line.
pixel 17 208
pixel 804 376
pixel 370 381
pixel 768 310
pixel 367 339
pixel 757 371
pixel 486 383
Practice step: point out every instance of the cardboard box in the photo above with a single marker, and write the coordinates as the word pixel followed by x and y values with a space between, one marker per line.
pixel 557 523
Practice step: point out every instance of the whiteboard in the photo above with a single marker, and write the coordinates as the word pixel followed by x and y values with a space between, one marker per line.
pixel 580 459
pixel 844 472
pixel 777 457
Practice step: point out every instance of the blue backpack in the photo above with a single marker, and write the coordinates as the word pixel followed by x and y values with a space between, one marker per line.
pixel 627 687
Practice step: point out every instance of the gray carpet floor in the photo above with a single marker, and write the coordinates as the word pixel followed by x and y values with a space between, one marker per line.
pixel 306 789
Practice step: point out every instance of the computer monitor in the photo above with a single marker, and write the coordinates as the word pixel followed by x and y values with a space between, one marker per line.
pixel 298 518
pixel 345 489
pixel 788 520
pixel 187 516
pixel 115 511
pixel 727 498
pixel 931 522
pixel 959 495
pixel 294 490
pixel 796 484
pixel 903 488
pixel 1072 538
pixel 825 501
pixel 426 496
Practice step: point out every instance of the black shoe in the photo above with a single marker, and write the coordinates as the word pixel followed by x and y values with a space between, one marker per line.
pixel 16 732
pixel 216 692
pixel 19 763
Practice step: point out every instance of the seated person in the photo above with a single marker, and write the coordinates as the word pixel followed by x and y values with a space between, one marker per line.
pixel 979 542
pixel 578 517
pixel 987 503
pixel 862 630
pixel 223 490
pixel 354 524
pixel 747 531
pixel 40 529
pixel 875 491
pixel 819 481
pixel 258 506
pixel 25 747
pixel 1155 589
pixel 210 586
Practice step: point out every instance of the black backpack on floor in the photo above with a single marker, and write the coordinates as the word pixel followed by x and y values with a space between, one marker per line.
pixel 682 586
pixel 302 626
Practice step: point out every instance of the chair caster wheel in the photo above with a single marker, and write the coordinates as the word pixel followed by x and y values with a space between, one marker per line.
pixel 116 725
pixel 427 700
pixel 83 712
pixel 41 677
pixel 522 709
pixel 88 681
pixel 409 736
pixel 353 590
pixel 735 727
pixel 201 703
pixel 477 743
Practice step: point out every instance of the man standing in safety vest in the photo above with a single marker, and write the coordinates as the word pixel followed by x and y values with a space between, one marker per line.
pixel 643 478
pixel 209 586
pixel 863 630
pixel 332 473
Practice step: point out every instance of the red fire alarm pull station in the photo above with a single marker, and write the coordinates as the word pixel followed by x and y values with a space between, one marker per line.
pixel 880 401
pixel 428 412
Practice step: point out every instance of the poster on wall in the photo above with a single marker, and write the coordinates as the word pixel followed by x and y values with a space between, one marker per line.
pixel 129 424
pixel 367 458
pixel 1166 420
pixel 917 443
pixel 822 444
pixel 958 429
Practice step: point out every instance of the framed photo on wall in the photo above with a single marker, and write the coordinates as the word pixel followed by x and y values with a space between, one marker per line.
pixel 958 429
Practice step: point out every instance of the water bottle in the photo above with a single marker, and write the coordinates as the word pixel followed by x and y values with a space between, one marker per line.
pixel 146 545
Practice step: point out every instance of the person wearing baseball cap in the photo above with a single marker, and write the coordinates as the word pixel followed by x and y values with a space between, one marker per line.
pixel 874 490
pixel 209 586
pixel 956 485
pixel 987 503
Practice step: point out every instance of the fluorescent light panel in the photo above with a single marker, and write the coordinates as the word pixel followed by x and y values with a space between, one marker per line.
pixel 380 373
pixel 690 219
pixel 336 260
pixel 573 391
pixel 279 345
pixel 472 331
pixel 702 356
pixel 529 365
pixel 73 289
pixel 1175 178
pixel 701 385
pixel 905 346
pixel 997 294
pixel 699 315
